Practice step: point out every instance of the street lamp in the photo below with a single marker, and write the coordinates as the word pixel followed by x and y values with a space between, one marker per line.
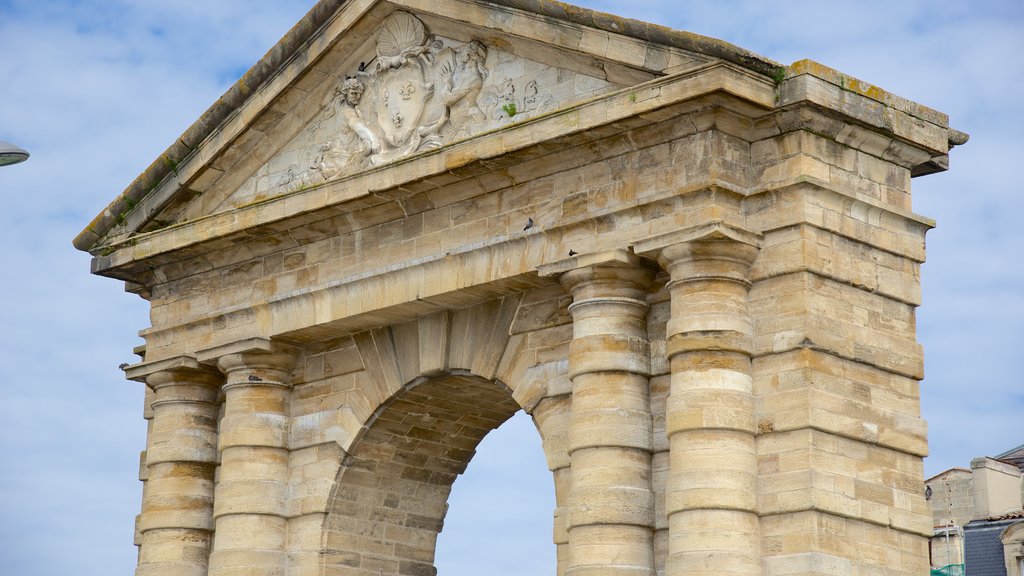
pixel 11 154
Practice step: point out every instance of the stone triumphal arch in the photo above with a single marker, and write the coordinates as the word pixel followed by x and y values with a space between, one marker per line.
pixel 696 270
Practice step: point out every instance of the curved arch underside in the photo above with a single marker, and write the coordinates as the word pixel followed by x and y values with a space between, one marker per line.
pixel 391 494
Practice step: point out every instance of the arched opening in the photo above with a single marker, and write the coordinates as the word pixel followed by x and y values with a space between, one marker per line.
pixel 499 511
pixel 391 494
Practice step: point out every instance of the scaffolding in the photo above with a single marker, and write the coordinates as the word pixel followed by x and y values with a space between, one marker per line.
pixel 950 570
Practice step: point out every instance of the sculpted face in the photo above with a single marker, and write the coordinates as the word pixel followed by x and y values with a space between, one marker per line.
pixel 472 52
pixel 352 89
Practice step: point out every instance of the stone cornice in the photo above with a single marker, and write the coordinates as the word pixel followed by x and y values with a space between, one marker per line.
pixel 139 372
pixel 249 345
pixel 420 287
pixel 719 230
pixel 317 33
pixel 618 258
pixel 654 101
pixel 644 31
pixel 647 103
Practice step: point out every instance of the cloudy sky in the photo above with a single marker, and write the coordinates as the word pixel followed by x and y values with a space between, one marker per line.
pixel 96 89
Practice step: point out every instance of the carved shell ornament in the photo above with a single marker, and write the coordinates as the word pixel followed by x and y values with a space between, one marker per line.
pixel 398 32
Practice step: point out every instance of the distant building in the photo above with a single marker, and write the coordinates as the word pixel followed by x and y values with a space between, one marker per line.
pixel 1015 457
pixel 952 501
pixel 979 517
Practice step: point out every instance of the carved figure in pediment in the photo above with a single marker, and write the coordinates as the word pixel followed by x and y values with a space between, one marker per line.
pixel 417 93
pixel 504 103
pixel 532 100
pixel 351 92
pixel 331 161
pixel 461 73
pixel 463 82
pixel 417 87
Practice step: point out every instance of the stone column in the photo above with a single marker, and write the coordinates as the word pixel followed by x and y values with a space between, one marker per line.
pixel 252 489
pixel 176 523
pixel 611 502
pixel 711 492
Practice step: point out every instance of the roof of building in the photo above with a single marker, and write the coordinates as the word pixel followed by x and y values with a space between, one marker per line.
pixel 1019 515
pixel 944 472
pixel 983 552
pixel 1013 456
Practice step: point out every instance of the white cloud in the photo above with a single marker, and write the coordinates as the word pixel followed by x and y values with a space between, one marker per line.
pixel 97 89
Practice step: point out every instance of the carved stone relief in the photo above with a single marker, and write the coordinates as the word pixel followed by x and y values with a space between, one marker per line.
pixel 418 92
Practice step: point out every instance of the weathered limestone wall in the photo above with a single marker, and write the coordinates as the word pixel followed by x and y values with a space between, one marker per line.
pixel 831 360
pixel 836 363
pixel 468 226
pixel 952 504
pixel 952 498
pixel 701 287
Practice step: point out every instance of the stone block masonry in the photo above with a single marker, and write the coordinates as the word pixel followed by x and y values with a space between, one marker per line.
pixel 696 269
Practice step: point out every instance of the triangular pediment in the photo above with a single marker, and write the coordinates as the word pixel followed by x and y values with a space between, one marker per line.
pixel 360 85
pixel 411 92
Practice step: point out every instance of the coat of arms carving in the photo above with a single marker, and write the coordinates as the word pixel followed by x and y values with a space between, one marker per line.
pixel 418 93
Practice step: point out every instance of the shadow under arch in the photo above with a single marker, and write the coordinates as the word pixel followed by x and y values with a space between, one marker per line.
pixel 390 496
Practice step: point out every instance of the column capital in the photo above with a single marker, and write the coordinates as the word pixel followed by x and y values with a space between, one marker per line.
pixel 169 371
pixel 253 362
pixel 709 269
pixel 713 241
pixel 611 276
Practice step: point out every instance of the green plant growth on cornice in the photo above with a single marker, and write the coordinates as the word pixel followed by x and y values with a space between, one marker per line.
pixel 510 109
pixel 110 249
pixel 171 164
pixel 129 204
pixel 779 74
